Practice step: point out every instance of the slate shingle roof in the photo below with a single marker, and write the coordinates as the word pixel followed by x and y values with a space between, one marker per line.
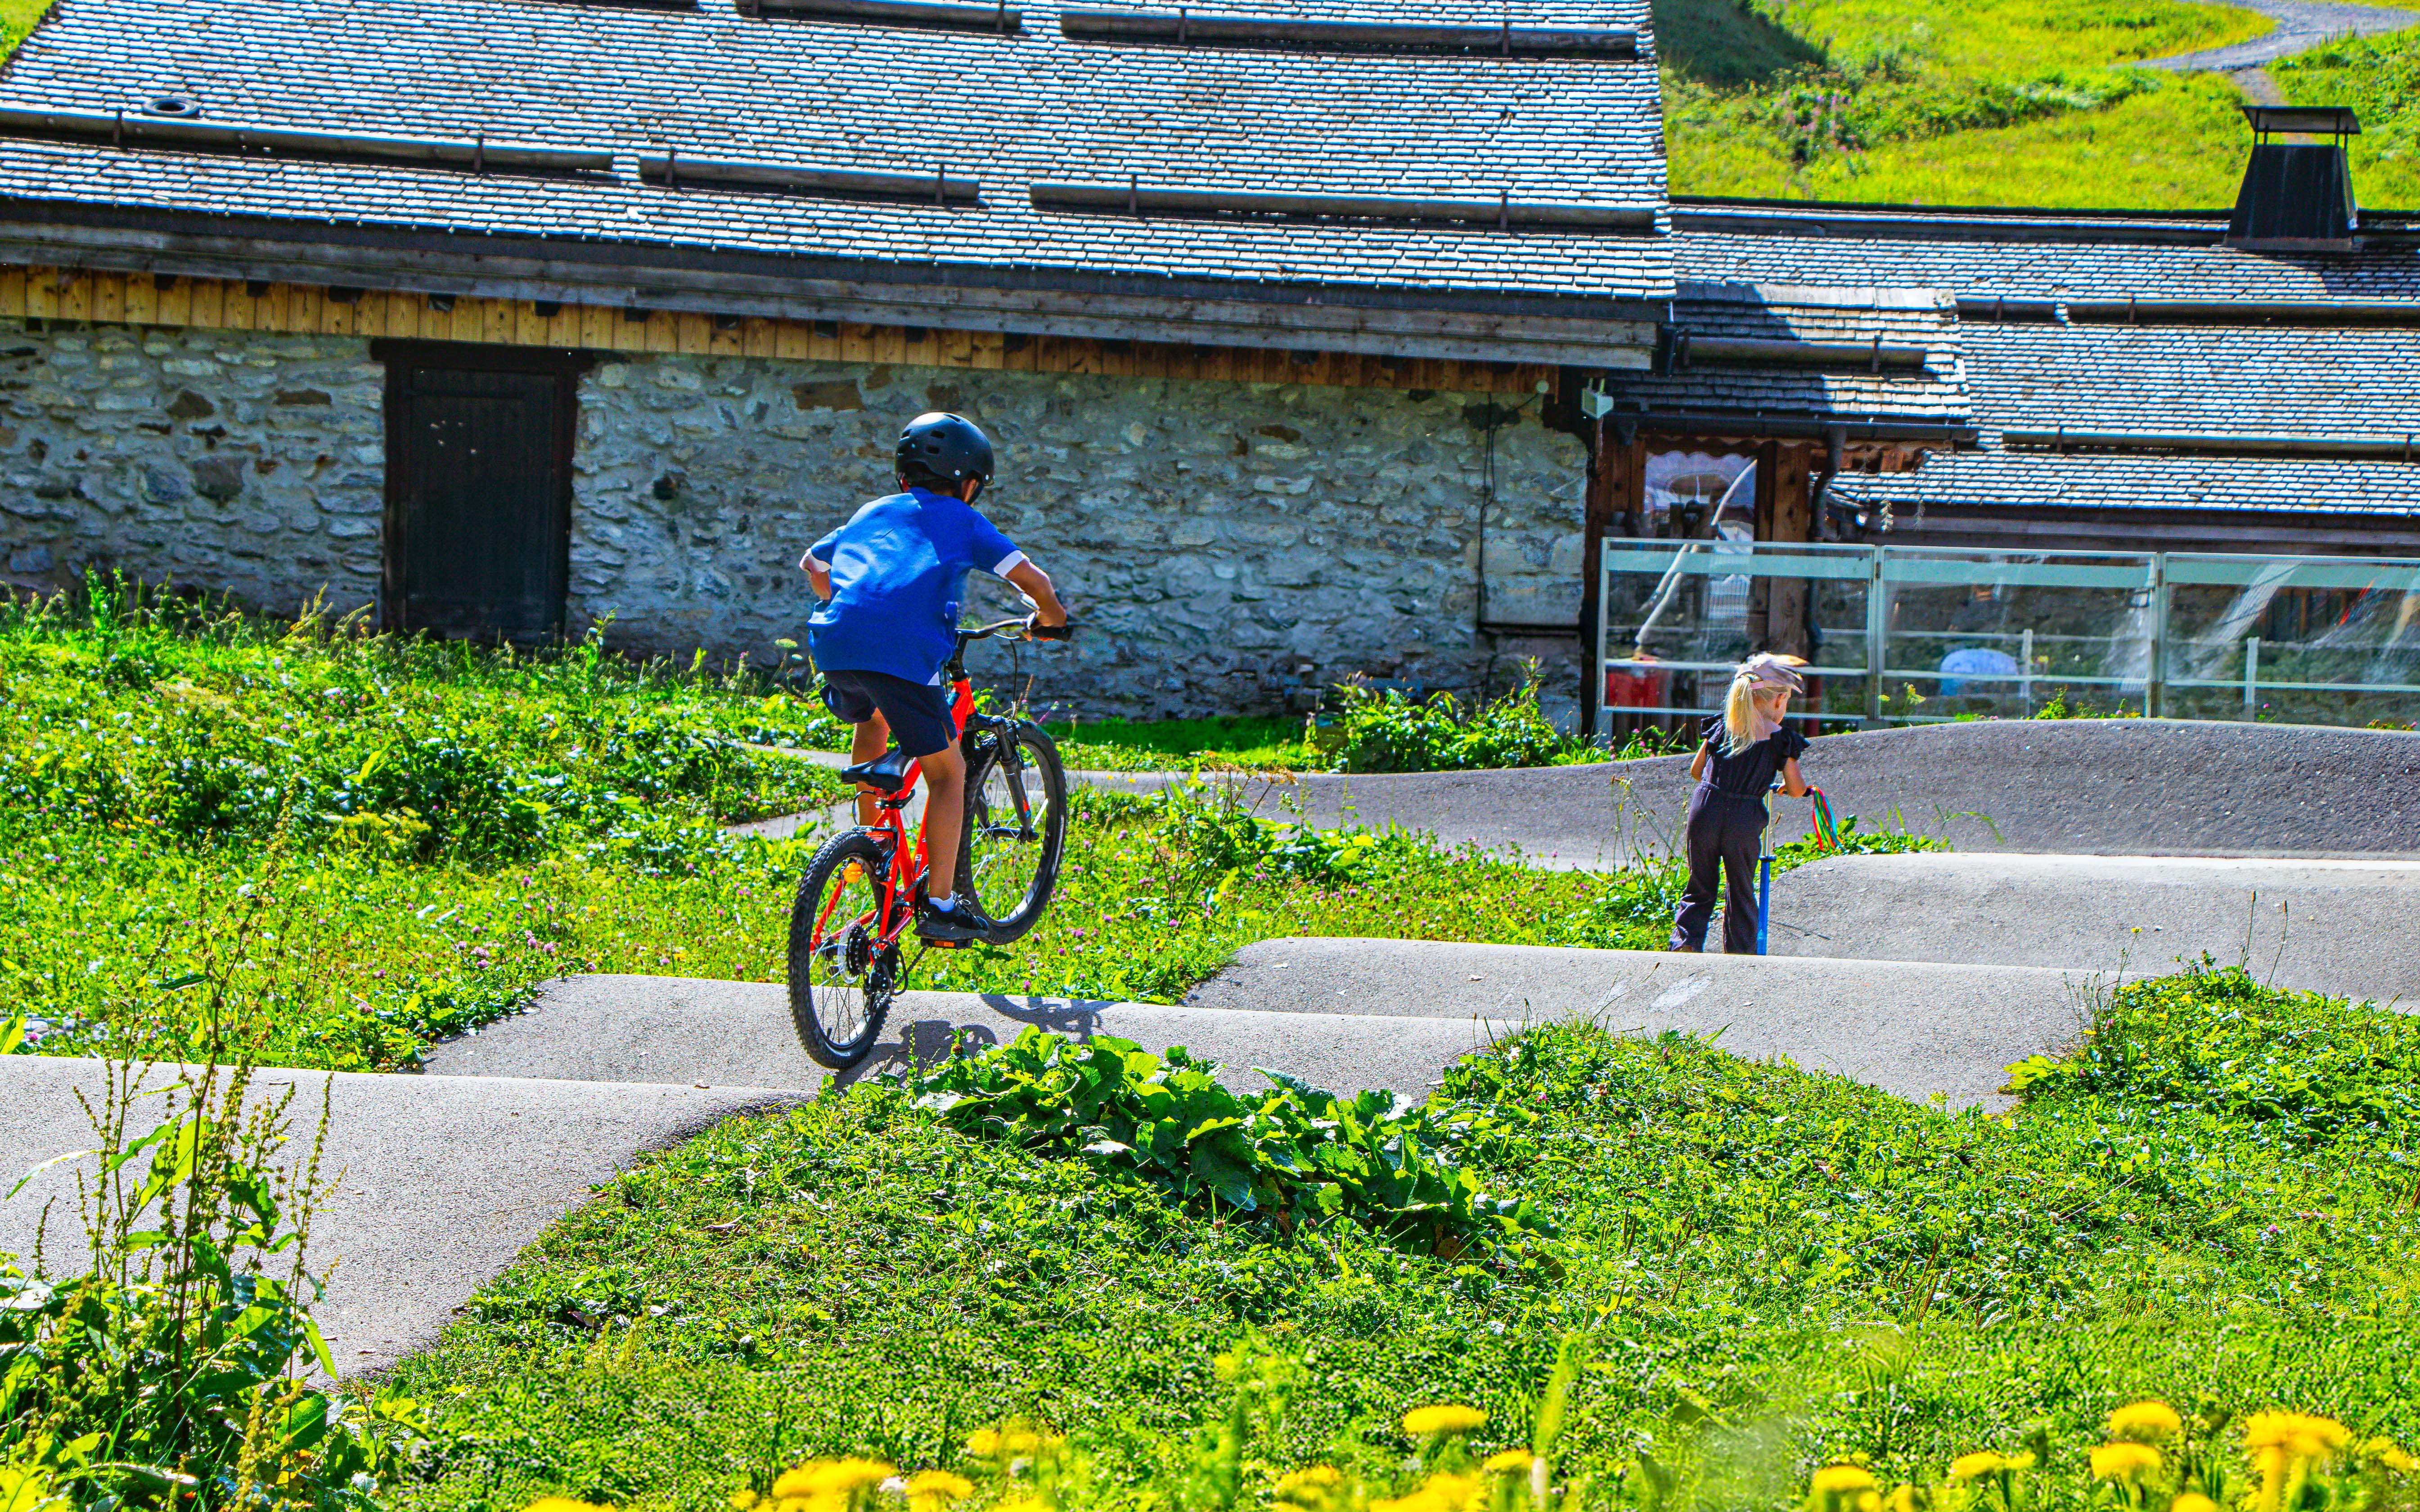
pixel 2316 380
pixel 2358 382
pixel 1854 317
pixel 1008 110
pixel 1978 256
pixel 1980 482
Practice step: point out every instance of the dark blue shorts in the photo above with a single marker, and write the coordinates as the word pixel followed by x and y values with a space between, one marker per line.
pixel 918 713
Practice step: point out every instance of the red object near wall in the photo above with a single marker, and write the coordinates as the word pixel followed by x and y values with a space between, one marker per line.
pixel 1636 688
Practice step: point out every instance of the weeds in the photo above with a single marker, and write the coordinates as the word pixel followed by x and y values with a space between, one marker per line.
pixel 164 1373
pixel 1385 729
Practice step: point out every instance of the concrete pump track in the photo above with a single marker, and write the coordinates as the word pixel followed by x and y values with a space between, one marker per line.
pixel 2084 852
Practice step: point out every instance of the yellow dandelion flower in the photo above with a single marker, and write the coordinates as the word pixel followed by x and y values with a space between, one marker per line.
pixel 1976 1465
pixel 983 1443
pixel 2193 1502
pixel 1508 1459
pixel 2301 1433
pixel 1842 1488
pixel 1902 1500
pixel 2128 1462
pixel 839 1478
pixel 2283 1447
pixel 928 1491
pixel 2391 1455
pixel 1310 1486
pixel 1445 1417
pixel 1026 1503
pixel 742 1499
pixel 792 1485
pixel 563 1503
pixel 1422 1500
pixel 2145 1422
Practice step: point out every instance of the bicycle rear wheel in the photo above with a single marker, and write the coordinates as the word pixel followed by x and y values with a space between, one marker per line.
pixel 1017 825
pixel 842 973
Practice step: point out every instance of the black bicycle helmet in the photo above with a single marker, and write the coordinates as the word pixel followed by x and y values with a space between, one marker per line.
pixel 943 451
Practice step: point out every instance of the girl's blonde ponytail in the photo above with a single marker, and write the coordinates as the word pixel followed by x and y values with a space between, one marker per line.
pixel 1739 713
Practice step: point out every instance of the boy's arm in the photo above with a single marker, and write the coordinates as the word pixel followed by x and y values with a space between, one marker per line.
pixel 1034 584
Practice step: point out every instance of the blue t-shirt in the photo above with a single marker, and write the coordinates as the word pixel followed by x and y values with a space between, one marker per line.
pixel 898 573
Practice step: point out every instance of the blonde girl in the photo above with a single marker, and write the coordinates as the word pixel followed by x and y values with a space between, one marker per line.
pixel 1742 753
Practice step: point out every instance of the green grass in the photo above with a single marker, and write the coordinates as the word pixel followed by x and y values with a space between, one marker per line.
pixel 1259 743
pixel 2380 78
pixel 18 19
pixel 1770 1269
pixel 2006 102
pixel 329 850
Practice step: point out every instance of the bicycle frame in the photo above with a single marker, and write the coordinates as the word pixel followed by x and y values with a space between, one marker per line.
pixel 908 864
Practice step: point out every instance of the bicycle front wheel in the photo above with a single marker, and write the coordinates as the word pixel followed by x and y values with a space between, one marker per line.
pixel 1017 825
pixel 842 972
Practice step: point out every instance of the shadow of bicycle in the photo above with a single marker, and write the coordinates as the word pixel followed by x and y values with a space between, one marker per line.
pixel 922 1043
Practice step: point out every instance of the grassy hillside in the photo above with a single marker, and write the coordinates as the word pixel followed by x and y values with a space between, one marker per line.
pixel 2379 77
pixel 2004 101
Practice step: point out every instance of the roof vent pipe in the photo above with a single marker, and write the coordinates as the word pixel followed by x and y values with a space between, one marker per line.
pixel 2296 193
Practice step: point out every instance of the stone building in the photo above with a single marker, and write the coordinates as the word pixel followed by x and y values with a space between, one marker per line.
pixel 511 317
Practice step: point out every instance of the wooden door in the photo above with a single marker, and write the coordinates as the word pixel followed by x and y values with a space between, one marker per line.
pixel 478 490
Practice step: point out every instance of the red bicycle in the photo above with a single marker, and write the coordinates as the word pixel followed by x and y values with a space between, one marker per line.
pixel 858 901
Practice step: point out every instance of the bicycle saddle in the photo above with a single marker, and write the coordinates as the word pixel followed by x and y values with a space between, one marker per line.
pixel 888 771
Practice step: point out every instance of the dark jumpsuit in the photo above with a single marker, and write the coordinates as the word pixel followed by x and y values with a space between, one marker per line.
pixel 1727 819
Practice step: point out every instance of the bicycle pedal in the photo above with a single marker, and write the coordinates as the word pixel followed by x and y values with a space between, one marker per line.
pixel 947 945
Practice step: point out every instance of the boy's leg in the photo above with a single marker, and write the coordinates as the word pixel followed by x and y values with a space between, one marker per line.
pixel 870 740
pixel 945 819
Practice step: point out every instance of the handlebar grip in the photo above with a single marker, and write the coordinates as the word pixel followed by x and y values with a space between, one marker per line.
pixel 1054 632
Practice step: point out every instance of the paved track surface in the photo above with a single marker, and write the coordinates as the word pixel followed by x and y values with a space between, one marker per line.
pixel 442 1182
pixel 2344 927
pixel 2081 787
pixel 671 1029
pixel 2299 26
pixel 2084 787
pixel 1913 1028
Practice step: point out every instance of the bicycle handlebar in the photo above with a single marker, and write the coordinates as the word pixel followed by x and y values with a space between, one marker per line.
pixel 1015 630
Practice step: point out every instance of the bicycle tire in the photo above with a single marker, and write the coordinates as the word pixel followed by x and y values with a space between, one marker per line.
pixel 842 979
pixel 1008 859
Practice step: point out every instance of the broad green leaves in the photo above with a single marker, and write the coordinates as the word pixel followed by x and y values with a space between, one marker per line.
pixel 1292 1154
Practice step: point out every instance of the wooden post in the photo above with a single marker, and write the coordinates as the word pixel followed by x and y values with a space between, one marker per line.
pixel 1759 589
pixel 1791 519
pixel 1613 497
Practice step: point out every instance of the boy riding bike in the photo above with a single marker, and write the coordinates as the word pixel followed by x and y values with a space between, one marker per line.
pixel 891 581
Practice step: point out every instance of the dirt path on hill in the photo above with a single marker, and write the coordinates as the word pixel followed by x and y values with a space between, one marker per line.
pixel 2299 26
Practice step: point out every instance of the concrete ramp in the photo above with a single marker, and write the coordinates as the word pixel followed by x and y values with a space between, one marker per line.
pixel 648 1029
pixel 440 1182
pixel 1913 1028
pixel 2344 927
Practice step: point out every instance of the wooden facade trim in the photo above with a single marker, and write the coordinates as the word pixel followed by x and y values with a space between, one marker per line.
pixel 82 296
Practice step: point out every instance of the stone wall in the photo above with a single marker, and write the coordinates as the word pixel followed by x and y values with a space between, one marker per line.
pixel 1227 545
pixel 243 463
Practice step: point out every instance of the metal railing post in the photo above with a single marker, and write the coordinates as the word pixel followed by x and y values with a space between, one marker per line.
pixel 1876 627
pixel 2251 677
pixel 2026 679
pixel 2155 691
pixel 1604 612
